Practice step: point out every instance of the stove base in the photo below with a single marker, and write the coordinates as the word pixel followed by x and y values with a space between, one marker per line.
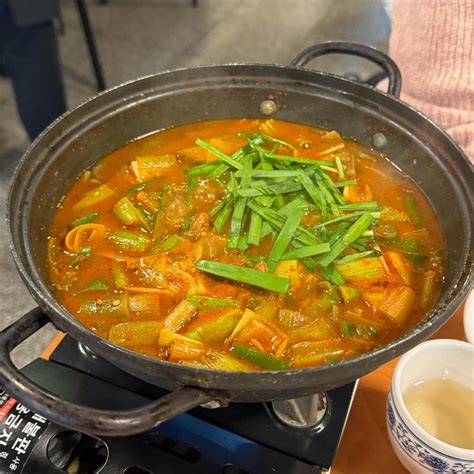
pixel 241 438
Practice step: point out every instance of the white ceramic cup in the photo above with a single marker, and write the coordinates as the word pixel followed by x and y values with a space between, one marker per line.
pixel 419 451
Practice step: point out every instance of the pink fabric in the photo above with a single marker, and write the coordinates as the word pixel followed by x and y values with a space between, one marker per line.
pixel 432 42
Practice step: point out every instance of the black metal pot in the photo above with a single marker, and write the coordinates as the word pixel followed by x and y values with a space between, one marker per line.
pixel 80 137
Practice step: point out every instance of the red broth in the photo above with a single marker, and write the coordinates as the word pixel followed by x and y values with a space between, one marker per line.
pixel 330 270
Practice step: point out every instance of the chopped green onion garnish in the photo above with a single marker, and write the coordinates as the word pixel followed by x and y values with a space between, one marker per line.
pixel 255 229
pixel 97 284
pixel 86 219
pixel 259 358
pixel 236 222
pixel 356 256
pixel 313 191
pixel 339 219
pixel 351 235
pixel 267 138
pixel 223 216
pixel 249 276
pixel 284 187
pixel 203 169
pixel 349 182
pixel 294 159
pixel 277 220
pixel 304 252
pixel 412 209
pixel 284 238
pixel 139 187
pixel 271 174
pixel 360 206
pixel 229 160
pixel 340 169
pixel 332 275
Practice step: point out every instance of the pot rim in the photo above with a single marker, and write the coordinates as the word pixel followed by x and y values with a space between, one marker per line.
pixel 44 297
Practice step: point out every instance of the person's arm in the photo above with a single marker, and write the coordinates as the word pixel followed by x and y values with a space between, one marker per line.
pixel 432 42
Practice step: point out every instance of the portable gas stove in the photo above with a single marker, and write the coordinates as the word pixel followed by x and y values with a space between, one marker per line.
pixel 289 437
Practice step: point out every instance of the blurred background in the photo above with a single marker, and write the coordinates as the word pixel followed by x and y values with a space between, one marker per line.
pixel 139 37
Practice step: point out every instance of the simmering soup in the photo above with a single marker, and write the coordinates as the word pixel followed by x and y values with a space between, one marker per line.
pixel 445 409
pixel 246 245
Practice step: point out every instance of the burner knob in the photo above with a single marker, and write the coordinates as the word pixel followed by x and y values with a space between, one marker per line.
pixel 304 412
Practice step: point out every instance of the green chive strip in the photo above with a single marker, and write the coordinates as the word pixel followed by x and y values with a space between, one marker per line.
pixel 351 235
pixel 284 238
pixel 279 202
pixel 349 182
pixel 237 156
pixel 139 187
pixel 264 189
pixel 86 219
pixel 223 216
pixel 270 139
pixel 340 169
pixel 327 194
pixel 255 229
pixel 259 358
pixel 236 222
pixel 309 251
pixel 240 206
pixel 270 173
pixel 336 193
pixel 228 159
pixel 358 228
pixel 412 209
pixel 97 284
pixel 345 217
pixel 355 256
pixel 265 201
pixel 328 168
pixel 294 159
pixel 192 183
pixel 249 276
pixel 332 275
pixel 277 220
pixel 295 204
pixel 202 169
pixel 360 245
pixel 160 223
pixel 219 206
pixel 360 206
pixel 313 191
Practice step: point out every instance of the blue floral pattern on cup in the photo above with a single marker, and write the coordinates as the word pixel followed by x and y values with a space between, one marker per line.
pixel 420 452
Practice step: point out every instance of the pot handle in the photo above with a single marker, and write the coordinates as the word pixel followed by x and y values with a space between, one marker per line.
pixel 82 418
pixel 354 49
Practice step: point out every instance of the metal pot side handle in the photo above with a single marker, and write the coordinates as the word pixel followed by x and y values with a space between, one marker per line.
pixel 82 418
pixel 354 49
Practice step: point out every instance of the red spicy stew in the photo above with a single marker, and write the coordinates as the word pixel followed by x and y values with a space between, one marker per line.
pixel 246 245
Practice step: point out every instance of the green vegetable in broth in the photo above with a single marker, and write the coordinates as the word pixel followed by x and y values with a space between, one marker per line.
pixel 246 245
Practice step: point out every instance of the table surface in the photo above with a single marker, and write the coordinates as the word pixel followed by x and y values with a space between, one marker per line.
pixel 365 447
